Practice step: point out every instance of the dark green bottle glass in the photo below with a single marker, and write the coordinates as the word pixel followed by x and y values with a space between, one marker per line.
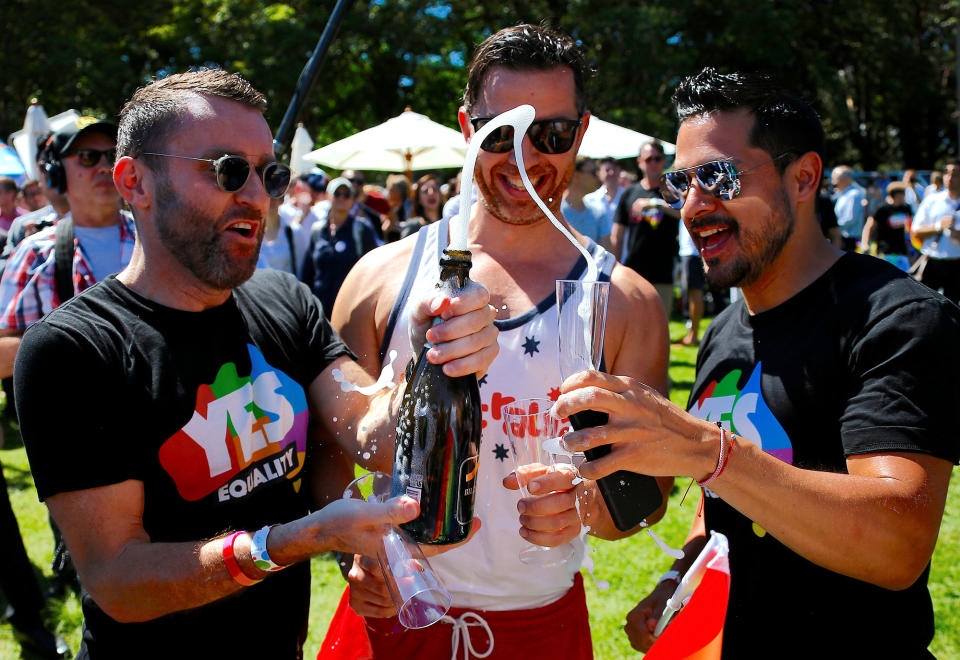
pixel 436 457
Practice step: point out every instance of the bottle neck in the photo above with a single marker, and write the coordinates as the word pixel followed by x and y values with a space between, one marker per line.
pixel 454 269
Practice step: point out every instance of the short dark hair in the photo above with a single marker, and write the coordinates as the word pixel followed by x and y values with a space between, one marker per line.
pixel 156 109
pixel 609 160
pixel 527 47
pixel 7 184
pixel 654 144
pixel 783 121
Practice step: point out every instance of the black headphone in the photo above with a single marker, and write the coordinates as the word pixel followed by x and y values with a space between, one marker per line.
pixel 52 168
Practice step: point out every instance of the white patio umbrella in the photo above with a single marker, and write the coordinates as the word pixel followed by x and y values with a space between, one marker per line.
pixel 407 142
pixel 606 140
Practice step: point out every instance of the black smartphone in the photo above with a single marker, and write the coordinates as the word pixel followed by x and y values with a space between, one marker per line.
pixel 630 497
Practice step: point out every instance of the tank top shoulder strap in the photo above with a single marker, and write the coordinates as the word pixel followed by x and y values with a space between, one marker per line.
pixel 413 268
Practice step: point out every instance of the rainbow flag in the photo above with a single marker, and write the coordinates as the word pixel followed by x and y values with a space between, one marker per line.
pixel 696 633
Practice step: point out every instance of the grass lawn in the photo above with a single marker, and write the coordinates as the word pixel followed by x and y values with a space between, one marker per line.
pixel 630 565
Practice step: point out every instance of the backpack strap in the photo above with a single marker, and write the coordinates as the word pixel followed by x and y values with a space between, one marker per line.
pixel 288 232
pixel 63 252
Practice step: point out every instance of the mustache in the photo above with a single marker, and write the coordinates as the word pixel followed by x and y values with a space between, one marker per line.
pixel 714 220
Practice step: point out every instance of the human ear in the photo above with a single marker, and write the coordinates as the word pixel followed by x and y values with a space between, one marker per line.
pixel 804 175
pixel 129 176
pixel 464 122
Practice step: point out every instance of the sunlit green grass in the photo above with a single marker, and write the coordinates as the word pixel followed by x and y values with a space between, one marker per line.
pixel 630 565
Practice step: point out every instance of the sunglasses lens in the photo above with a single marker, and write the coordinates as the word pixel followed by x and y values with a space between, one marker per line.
pixel 276 179
pixel 673 187
pixel 553 137
pixel 91 157
pixel 500 141
pixel 232 173
pixel 88 157
pixel 718 179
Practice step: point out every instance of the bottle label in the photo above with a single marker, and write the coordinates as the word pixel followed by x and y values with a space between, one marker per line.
pixel 468 482
pixel 414 493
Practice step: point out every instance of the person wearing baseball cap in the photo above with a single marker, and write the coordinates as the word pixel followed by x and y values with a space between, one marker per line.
pixel 78 162
pixel 336 243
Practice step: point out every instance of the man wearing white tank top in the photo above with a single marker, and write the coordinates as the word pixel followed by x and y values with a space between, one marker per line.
pixel 518 610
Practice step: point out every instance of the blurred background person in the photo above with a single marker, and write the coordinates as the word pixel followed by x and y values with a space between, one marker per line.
pixel 31 196
pixel 886 231
pixel 605 198
pixel 644 235
pixel 426 205
pixel 913 192
pixel 589 219
pixel 398 198
pixel 849 205
pixel 936 184
pixel 937 225
pixel 9 191
pixel 285 240
pixel 336 243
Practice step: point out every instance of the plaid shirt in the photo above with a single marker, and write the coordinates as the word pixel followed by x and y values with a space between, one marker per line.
pixel 27 289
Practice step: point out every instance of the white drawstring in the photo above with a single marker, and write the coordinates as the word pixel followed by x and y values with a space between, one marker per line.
pixel 461 628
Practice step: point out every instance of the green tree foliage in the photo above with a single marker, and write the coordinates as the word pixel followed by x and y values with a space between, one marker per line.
pixel 882 75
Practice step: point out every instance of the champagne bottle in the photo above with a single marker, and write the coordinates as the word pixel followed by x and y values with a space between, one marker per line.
pixel 436 456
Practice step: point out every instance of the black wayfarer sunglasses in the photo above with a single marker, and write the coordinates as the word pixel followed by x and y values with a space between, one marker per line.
pixel 548 136
pixel 232 173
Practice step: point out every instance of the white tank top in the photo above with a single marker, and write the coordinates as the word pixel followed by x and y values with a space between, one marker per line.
pixel 486 573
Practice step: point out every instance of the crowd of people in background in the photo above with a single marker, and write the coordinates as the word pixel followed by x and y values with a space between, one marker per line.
pixel 327 223
pixel 873 212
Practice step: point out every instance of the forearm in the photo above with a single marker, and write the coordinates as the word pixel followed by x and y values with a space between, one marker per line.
pixel 923 233
pixel 362 426
pixel 9 343
pixel 145 580
pixel 878 528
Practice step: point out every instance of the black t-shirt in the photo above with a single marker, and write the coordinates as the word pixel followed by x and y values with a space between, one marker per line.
pixel 651 238
pixel 892 221
pixel 861 361
pixel 209 411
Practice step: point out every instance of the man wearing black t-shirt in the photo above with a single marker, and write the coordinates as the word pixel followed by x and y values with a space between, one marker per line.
pixel 887 229
pixel 180 471
pixel 821 423
pixel 644 233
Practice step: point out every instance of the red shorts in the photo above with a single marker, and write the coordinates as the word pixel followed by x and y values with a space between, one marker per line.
pixel 560 629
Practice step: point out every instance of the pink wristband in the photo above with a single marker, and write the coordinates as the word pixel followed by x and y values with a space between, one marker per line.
pixel 722 459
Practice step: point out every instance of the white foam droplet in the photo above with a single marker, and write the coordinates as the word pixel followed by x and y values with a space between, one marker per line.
pixel 366 455
pixel 384 381
pixel 673 552
pixel 553 446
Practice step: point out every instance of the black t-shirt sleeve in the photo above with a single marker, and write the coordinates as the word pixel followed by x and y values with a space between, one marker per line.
pixel 905 392
pixel 71 408
pixel 622 213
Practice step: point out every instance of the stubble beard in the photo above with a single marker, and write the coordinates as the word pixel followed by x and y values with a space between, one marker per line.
pixel 493 204
pixel 192 238
pixel 759 248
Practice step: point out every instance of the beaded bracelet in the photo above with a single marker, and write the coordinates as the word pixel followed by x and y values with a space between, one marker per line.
pixel 724 457
pixel 231 562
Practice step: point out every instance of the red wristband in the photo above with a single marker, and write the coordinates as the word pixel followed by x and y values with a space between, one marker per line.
pixel 231 562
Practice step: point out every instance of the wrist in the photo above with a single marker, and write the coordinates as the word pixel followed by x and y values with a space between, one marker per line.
pixel 286 546
pixel 671 576
pixel 707 451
